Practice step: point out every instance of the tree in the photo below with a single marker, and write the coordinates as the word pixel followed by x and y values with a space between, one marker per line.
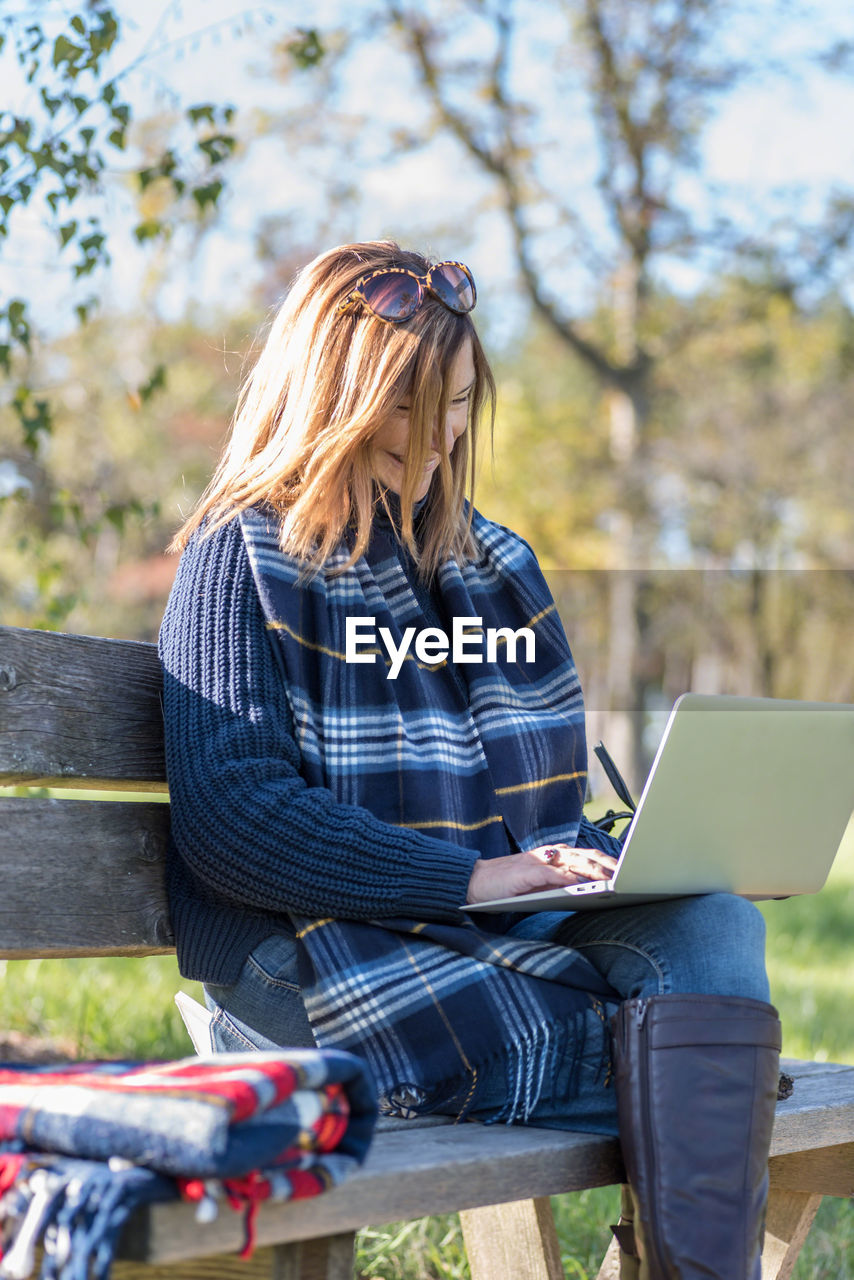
pixel 84 533
pixel 73 137
pixel 592 160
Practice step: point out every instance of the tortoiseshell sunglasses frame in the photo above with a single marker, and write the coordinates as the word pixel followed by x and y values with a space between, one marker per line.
pixel 356 294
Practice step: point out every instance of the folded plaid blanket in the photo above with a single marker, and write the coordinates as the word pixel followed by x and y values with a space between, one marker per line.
pixel 82 1145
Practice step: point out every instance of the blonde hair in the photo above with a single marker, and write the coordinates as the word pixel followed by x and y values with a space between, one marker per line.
pixel 323 384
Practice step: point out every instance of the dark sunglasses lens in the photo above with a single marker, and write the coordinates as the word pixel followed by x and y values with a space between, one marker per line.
pixel 454 286
pixel 392 295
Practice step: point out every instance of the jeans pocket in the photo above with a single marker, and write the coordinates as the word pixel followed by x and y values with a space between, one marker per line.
pixel 228 1037
pixel 275 962
pixel 265 1004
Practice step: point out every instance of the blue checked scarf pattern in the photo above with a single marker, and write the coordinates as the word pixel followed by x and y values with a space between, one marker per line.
pixel 491 757
pixel 82 1145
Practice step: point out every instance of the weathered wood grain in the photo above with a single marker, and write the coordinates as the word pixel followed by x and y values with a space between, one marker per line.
pixel 517 1239
pixel 82 877
pixel 820 1112
pixel 330 1259
pixel 458 1167
pixel 327 1259
pixel 789 1218
pixel 610 1268
pixel 406 1176
pixel 79 711
pixel 830 1171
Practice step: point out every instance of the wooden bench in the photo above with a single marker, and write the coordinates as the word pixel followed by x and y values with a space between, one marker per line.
pixel 84 877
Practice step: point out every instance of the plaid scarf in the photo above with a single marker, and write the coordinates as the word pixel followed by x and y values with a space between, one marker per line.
pixel 491 757
pixel 82 1145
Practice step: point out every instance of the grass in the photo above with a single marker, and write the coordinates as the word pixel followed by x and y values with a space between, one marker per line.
pixel 124 1008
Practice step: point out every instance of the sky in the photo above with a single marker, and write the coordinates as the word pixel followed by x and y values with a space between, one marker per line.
pixel 792 130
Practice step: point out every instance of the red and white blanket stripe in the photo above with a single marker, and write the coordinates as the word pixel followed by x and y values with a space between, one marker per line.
pixel 82 1144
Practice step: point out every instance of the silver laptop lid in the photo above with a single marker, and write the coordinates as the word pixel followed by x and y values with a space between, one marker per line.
pixel 749 795
pixel 745 795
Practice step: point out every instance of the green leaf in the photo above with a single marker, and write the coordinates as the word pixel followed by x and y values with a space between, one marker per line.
pixel 21 133
pixel 16 314
pixel 207 195
pixel 206 112
pixel 65 50
pixel 306 48
pixel 117 138
pixel 121 113
pixel 217 148
pixel 108 94
pixel 94 242
pixel 33 415
pixel 102 38
pixel 116 516
pixel 156 382
pixel 66 231
pixel 78 24
pixel 148 230
pixel 51 104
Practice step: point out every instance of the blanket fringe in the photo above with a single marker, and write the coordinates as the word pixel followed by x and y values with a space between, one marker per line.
pixel 76 1211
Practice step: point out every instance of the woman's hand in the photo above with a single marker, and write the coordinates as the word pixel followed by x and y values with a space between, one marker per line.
pixel 547 867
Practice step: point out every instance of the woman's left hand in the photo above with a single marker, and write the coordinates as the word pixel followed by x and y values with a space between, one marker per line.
pixel 581 864
pixel 549 866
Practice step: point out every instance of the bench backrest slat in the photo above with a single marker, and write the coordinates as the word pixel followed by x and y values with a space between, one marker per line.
pixel 80 877
pixel 80 711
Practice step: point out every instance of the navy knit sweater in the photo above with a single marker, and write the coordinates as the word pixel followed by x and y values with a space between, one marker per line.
pixel 235 789
pixel 250 841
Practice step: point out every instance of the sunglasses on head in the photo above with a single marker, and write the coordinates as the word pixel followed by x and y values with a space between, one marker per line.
pixel 395 293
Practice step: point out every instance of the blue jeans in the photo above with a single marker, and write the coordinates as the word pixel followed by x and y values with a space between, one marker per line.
pixel 713 945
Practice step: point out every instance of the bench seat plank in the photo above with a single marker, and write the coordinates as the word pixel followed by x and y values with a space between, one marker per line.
pixel 405 1176
pixel 454 1167
pixel 820 1112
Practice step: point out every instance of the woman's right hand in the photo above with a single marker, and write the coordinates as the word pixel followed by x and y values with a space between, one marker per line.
pixel 546 867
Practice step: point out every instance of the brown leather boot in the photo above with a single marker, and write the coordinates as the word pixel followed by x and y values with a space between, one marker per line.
pixel 696 1079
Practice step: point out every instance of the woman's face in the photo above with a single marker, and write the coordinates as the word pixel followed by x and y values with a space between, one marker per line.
pixel 388 446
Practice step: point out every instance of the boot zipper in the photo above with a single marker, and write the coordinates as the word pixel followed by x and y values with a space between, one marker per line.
pixel 654 1235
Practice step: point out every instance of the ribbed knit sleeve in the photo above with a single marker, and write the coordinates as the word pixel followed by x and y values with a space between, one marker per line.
pixel 243 819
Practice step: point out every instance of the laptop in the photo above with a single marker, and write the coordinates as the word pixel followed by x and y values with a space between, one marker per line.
pixel 746 795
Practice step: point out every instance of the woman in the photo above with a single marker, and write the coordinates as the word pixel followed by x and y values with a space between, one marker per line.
pixel 373 720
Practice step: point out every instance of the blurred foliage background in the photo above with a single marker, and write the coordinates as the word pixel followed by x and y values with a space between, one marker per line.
pixel 674 352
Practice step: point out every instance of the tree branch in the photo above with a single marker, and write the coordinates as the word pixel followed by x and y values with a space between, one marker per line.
pixel 502 167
